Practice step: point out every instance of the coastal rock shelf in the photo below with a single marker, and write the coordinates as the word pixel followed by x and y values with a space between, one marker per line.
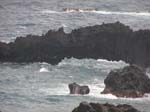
pixel 96 107
pixel 112 41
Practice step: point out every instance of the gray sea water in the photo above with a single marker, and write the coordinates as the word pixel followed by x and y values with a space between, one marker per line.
pixel 38 87
pixel 21 17
pixel 41 87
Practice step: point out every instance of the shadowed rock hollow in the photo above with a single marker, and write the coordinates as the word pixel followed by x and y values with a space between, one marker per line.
pixel 112 41
pixel 131 81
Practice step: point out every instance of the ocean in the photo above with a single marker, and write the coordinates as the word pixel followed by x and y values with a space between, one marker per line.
pixel 37 87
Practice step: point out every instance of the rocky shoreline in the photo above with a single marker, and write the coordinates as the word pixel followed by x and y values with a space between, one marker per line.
pixel 96 107
pixel 130 81
pixel 112 41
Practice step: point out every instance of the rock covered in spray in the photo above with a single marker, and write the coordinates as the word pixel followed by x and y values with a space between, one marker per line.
pixel 77 89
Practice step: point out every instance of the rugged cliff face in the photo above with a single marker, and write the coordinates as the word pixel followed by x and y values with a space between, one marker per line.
pixel 113 41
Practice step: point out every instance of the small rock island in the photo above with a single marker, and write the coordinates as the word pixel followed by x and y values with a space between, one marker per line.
pixel 131 81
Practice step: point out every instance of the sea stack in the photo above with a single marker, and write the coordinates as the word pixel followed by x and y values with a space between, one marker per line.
pixel 77 89
pixel 131 81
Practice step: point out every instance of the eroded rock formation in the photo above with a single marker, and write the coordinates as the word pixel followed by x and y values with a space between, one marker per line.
pixel 112 41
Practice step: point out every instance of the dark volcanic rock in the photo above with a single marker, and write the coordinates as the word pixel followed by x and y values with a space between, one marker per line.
pixel 113 41
pixel 96 107
pixel 77 89
pixel 131 81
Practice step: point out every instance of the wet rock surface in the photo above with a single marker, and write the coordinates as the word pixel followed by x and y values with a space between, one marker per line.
pixel 131 81
pixel 77 89
pixel 112 41
pixel 96 107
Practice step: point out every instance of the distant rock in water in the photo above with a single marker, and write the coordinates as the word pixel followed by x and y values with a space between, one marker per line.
pixel 96 107
pixel 131 81
pixel 79 10
pixel 77 89
pixel 112 41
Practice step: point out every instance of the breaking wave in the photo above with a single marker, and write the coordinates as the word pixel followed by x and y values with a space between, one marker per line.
pixel 101 64
pixel 99 12
pixel 43 69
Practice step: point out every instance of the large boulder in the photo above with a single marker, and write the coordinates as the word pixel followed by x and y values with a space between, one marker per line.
pixel 77 89
pixel 96 107
pixel 131 81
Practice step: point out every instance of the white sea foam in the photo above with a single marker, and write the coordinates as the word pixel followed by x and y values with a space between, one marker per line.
pixel 43 69
pixel 96 85
pixel 100 12
pixel 100 64
pixel 95 91
pixel 123 13
pixel 61 89
pixel 5 41
pixel 50 11
pixel 148 72
pixel 44 63
pixel 64 25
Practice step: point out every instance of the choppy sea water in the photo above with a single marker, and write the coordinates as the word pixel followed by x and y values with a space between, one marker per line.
pixel 41 87
pixel 38 87
pixel 22 17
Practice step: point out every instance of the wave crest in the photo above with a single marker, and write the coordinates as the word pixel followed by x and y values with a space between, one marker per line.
pixel 146 13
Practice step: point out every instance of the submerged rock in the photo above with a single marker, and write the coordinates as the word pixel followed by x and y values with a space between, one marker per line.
pixel 96 107
pixel 112 41
pixel 131 81
pixel 77 89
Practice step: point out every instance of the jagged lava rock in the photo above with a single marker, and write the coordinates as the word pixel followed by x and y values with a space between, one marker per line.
pixel 96 107
pixel 131 81
pixel 112 41
pixel 77 89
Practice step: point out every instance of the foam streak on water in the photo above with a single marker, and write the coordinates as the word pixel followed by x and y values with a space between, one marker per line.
pixel 100 12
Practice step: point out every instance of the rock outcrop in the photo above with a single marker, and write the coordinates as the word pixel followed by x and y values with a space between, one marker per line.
pixel 77 89
pixel 131 81
pixel 112 41
pixel 96 107
pixel 79 10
